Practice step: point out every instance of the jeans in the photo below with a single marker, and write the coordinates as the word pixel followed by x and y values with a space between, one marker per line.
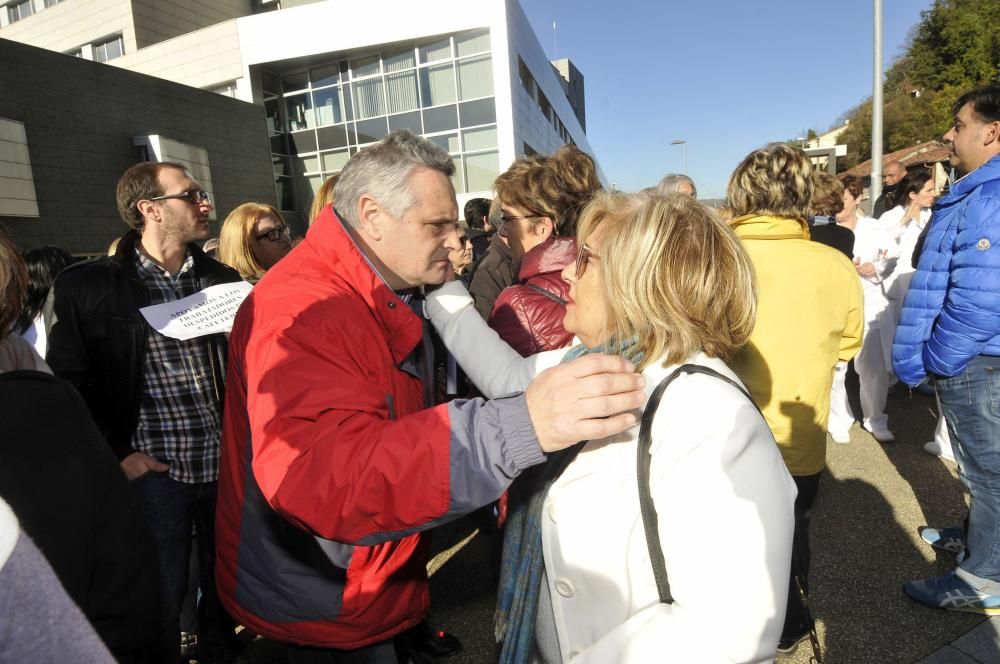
pixel 171 509
pixel 797 620
pixel 971 405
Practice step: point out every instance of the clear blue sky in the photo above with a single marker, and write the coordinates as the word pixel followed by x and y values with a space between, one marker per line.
pixel 726 75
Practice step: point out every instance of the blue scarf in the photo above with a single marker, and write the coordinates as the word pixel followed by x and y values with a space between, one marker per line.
pixel 522 563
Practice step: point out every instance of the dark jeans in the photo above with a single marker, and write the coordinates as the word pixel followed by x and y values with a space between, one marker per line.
pixel 796 617
pixel 171 509
pixel 386 652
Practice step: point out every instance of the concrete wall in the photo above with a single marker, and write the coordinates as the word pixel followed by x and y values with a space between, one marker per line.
pixel 73 23
pixel 80 118
pixel 156 21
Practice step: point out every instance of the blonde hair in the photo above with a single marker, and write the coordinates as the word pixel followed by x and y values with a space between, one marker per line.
pixel 237 239
pixel 323 197
pixel 557 187
pixel 675 277
pixel 775 180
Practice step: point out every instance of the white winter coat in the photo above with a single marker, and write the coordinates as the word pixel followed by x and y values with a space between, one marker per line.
pixel 724 501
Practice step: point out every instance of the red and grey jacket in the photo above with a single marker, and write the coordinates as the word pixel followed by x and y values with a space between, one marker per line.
pixel 529 314
pixel 332 466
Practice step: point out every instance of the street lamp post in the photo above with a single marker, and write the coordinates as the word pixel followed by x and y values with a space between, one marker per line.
pixel 684 145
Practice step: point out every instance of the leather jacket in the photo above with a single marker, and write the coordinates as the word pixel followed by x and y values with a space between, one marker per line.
pixel 98 336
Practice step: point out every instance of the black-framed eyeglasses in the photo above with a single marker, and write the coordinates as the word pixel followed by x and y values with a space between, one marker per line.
pixel 583 257
pixel 275 234
pixel 193 196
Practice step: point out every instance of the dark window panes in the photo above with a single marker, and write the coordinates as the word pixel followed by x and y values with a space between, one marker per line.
pixel 297 81
pixel 299 113
pixel 410 121
pixel 280 166
pixel 325 75
pixel 302 141
pixel 479 112
pixel 440 119
pixel 271 109
pixel 283 187
pixel 278 144
pixel 269 83
pixel 447 142
pixel 373 130
pixel 332 137
pixel 327 107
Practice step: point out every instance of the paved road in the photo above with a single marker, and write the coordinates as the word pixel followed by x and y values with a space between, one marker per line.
pixel 865 545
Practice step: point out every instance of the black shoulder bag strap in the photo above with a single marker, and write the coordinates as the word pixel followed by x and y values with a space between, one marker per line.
pixel 547 293
pixel 646 507
pixel 648 510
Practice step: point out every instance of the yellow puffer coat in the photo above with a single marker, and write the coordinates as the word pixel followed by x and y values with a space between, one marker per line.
pixel 809 315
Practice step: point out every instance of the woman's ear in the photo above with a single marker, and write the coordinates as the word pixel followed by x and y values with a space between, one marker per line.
pixel 544 228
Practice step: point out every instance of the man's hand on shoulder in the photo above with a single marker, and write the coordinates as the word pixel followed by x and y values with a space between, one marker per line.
pixel 137 464
pixel 589 398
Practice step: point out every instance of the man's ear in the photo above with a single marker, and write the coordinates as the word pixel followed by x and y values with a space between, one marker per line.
pixel 992 133
pixel 371 220
pixel 149 210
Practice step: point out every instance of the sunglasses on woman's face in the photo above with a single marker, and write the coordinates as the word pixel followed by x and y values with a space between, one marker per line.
pixel 583 257
pixel 275 234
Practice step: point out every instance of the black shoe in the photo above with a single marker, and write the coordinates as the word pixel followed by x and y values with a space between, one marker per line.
pixel 432 643
pixel 790 643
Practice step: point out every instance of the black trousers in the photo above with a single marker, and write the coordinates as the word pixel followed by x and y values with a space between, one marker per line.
pixel 796 617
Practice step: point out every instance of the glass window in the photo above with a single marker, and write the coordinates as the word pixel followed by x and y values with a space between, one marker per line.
pixel 439 50
pixel 480 112
pixel 109 50
pixel 410 121
pixel 298 110
pixel 315 182
pixel 274 124
pixel 278 145
pixel 365 66
pixel 296 81
pixel 328 109
pixel 472 42
pixel 447 142
pixel 475 78
pixel 52 3
pixel 373 130
pixel 458 179
pixel 280 166
pixel 286 199
pixel 334 161
pixel 543 105
pixel 401 92
pixel 325 75
pixel 368 100
pixel 480 139
pixel 302 141
pixel 399 60
pixel 307 164
pixel 437 85
pixel 527 80
pixel 440 119
pixel 269 83
pixel 481 170
pixel 332 137
pixel 19 10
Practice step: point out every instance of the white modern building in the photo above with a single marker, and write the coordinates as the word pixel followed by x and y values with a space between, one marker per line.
pixel 335 76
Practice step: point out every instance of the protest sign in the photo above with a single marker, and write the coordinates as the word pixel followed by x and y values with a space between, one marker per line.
pixel 209 311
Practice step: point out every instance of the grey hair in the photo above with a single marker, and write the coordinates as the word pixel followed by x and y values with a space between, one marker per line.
pixel 670 183
pixel 383 172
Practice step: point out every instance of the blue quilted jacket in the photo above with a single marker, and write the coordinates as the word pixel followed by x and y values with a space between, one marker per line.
pixel 951 313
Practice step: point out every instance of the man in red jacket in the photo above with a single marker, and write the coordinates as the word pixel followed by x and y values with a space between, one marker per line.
pixel 335 460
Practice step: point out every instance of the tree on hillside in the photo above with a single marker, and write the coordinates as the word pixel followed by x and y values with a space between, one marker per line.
pixel 956 46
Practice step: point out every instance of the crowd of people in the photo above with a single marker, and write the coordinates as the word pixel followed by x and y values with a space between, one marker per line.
pixel 636 388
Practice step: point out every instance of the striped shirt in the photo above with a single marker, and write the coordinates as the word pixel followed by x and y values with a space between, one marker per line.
pixel 179 414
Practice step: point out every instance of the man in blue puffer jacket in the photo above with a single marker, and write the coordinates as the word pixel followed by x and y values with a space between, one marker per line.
pixel 949 330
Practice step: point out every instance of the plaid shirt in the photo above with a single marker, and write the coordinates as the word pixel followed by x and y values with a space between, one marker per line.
pixel 179 414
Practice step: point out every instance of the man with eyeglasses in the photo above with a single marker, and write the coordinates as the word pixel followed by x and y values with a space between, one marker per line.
pixel 157 400
pixel 336 458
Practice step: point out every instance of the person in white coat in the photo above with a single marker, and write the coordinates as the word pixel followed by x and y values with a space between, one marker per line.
pixel 664 282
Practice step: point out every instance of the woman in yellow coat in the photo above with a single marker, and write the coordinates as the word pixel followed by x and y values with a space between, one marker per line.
pixel 809 317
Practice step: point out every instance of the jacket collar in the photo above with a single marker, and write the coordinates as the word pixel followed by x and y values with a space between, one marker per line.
pixel 124 258
pixel 764 227
pixel 335 249
pixel 967 184
pixel 550 256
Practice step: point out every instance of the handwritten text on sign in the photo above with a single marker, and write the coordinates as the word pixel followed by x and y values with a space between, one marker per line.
pixel 206 312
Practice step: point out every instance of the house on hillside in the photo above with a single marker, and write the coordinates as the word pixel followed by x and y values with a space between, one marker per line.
pixel 932 155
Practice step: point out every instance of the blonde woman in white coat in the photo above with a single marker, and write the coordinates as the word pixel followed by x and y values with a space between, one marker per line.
pixel 665 274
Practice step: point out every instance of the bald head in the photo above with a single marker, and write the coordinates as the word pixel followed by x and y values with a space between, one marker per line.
pixel 892 173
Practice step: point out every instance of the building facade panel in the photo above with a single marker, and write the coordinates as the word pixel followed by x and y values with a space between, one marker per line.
pixel 156 21
pixel 72 24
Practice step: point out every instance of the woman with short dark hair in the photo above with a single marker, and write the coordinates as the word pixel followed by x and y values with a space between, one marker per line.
pixel 15 352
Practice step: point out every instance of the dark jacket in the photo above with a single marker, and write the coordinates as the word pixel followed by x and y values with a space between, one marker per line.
pixel 494 273
pixel 826 230
pixel 98 338
pixel 529 315
pixel 886 201
pixel 72 498
pixel 480 240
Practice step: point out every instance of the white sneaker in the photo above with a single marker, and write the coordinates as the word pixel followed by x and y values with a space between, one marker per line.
pixel 842 437
pixel 881 435
pixel 935 449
